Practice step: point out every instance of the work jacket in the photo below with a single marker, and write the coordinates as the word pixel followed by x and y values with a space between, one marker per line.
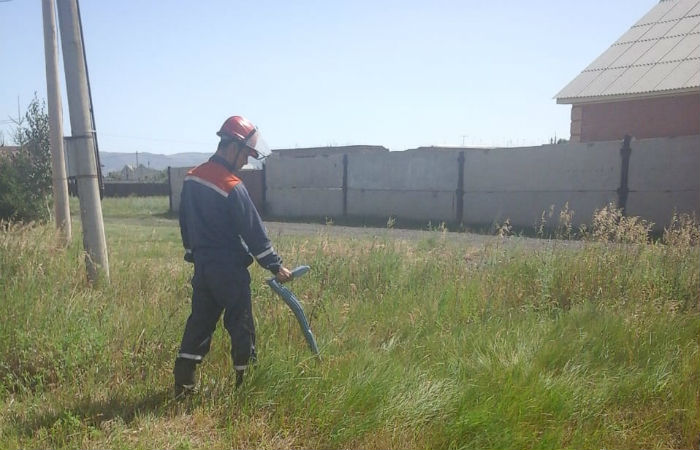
pixel 218 220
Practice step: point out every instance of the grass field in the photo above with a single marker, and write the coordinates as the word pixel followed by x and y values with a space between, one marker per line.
pixel 425 344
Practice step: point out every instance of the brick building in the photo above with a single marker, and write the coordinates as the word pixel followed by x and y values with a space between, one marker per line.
pixel 647 84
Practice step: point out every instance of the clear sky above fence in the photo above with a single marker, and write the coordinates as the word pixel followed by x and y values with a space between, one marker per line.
pixel 401 74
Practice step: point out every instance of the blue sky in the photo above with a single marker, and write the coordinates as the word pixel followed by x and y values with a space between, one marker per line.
pixel 401 74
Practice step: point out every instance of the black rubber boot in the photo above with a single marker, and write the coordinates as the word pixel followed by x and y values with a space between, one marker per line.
pixel 239 378
pixel 184 372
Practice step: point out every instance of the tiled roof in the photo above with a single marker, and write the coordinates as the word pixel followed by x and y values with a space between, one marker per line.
pixel 659 55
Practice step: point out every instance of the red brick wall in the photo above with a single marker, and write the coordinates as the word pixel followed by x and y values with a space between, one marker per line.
pixel 644 118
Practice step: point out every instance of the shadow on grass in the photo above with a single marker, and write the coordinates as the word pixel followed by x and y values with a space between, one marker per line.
pixel 93 413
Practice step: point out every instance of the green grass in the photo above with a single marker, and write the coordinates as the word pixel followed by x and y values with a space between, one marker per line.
pixel 425 344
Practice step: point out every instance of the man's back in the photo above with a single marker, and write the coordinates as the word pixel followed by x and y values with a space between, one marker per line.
pixel 218 218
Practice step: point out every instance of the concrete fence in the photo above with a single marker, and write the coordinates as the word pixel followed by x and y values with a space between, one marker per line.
pixel 649 178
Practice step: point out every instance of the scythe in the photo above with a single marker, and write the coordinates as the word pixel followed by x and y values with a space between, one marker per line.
pixel 295 306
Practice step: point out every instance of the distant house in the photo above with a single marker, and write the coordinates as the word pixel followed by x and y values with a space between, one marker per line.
pixel 140 173
pixel 647 84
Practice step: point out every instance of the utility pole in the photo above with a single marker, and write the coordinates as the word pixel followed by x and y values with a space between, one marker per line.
pixel 83 136
pixel 58 162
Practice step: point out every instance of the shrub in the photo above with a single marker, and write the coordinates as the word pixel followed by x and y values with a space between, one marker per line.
pixel 25 178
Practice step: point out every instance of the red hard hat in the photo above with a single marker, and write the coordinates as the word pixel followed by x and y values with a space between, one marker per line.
pixel 240 129
pixel 236 127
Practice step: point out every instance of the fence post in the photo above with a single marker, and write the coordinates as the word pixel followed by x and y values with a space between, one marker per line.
pixel 170 192
pixel 460 189
pixel 345 184
pixel 264 190
pixel 623 190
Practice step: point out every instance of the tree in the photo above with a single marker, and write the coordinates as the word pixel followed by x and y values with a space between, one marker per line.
pixel 25 178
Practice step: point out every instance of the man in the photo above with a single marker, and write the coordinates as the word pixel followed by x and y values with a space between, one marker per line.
pixel 220 230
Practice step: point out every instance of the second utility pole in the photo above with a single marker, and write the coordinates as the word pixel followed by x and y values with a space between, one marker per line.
pixel 83 137
pixel 58 162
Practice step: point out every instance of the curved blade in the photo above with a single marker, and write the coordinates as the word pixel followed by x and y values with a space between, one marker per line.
pixel 295 306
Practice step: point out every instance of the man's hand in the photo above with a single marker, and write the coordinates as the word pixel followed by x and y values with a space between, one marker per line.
pixel 283 275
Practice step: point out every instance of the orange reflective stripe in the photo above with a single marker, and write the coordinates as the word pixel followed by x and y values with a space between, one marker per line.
pixel 215 174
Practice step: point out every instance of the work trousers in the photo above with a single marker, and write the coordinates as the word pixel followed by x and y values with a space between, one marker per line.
pixel 219 287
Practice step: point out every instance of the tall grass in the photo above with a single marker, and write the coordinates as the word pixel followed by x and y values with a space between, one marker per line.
pixel 426 344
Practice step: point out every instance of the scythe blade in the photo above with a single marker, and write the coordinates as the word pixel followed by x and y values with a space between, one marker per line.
pixel 295 306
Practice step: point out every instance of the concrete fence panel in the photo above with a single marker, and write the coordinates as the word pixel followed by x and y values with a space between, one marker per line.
pixel 320 172
pixel 547 168
pixel 664 175
pixel 416 185
pixel 297 202
pixel 305 186
pixel 520 184
pixel 425 170
pixel 423 206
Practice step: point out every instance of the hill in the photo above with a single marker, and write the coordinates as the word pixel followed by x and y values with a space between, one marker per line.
pixel 114 161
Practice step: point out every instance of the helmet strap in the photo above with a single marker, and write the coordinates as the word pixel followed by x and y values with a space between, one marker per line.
pixel 241 144
pixel 238 152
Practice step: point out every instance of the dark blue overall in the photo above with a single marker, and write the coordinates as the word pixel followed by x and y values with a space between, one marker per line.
pixel 220 230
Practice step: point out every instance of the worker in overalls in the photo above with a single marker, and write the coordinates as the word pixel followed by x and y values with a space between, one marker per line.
pixel 222 233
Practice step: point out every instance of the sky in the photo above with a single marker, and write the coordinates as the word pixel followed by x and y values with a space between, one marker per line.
pixel 402 74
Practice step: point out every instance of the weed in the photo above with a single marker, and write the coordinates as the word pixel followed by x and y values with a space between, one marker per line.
pixel 683 231
pixel 611 225
pixel 504 230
